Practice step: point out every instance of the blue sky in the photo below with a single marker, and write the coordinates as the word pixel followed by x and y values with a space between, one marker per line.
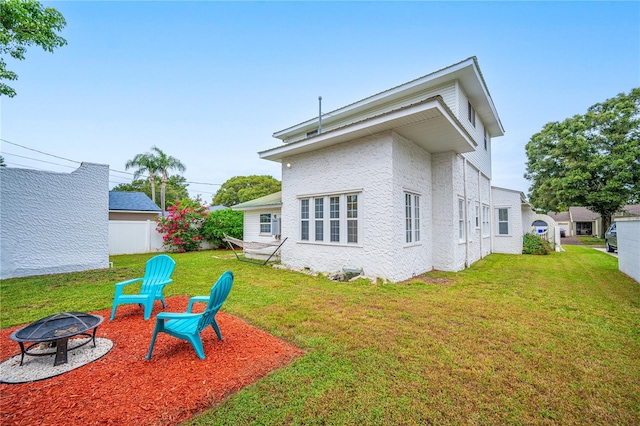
pixel 210 82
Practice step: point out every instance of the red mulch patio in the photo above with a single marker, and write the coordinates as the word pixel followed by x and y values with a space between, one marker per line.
pixel 122 388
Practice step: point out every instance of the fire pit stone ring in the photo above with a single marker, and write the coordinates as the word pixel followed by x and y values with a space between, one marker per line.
pixel 58 329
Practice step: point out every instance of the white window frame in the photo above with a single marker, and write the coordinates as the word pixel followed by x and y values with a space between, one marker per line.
pixel 265 228
pixel 347 220
pixel 461 221
pixel 412 217
pixel 471 114
pixel 508 221
pixel 477 218
pixel 304 219
pixel 334 218
pixel 486 221
pixel 318 218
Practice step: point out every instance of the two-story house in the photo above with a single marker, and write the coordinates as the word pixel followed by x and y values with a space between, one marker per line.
pixel 396 184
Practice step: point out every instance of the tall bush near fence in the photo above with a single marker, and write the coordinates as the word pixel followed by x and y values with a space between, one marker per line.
pixel 183 226
pixel 220 222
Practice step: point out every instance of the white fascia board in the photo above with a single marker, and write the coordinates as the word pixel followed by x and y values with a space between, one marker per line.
pixel 499 131
pixel 268 207
pixel 422 83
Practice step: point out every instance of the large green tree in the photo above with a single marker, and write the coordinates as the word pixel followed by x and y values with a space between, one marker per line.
pixel 26 23
pixel 239 189
pixel 164 163
pixel 176 188
pixel 590 160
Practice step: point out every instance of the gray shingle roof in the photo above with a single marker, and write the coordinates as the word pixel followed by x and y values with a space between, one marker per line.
pixel 131 201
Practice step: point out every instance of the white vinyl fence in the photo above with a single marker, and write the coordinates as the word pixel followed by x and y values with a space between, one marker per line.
pixel 137 236
pixel 134 236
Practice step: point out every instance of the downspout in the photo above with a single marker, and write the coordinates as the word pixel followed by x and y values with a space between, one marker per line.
pixel 466 213
pixel 491 217
pixel 480 210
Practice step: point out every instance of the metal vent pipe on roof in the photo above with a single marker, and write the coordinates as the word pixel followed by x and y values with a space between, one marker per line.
pixel 319 114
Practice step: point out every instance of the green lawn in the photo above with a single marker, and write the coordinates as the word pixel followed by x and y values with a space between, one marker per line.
pixel 512 340
pixel 591 241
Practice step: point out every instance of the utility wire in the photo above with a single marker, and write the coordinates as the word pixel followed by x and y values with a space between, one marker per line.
pixel 35 159
pixel 79 162
pixel 35 150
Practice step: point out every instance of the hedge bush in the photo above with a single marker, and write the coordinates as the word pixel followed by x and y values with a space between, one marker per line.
pixel 534 244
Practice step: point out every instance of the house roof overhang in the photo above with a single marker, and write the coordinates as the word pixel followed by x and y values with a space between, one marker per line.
pixel 466 72
pixel 428 123
pixel 268 201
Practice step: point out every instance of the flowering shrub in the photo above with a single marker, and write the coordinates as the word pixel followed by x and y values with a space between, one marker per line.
pixel 182 227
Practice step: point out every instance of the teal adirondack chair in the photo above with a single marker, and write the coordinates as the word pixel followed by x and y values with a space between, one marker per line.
pixel 156 276
pixel 188 326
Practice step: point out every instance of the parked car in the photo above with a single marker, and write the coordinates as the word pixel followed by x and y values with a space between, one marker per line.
pixel 611 238
pixel 563 233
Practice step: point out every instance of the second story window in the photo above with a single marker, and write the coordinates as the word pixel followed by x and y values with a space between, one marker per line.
pixel 472 114
pixel 486 140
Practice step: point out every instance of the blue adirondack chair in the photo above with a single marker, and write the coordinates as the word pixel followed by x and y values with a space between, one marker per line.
pixel 187 325
pixel 156 276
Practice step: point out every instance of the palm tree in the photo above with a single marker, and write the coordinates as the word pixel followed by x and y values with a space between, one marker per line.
pixel 165 162
pixel 145 163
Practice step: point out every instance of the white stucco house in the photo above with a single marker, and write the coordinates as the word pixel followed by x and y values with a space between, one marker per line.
pixel 396 184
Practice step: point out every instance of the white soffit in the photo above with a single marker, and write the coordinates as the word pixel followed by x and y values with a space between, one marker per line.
pixel 428 124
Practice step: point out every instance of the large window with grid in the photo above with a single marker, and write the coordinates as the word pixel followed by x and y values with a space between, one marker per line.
pixel 412 217
pixel 333 219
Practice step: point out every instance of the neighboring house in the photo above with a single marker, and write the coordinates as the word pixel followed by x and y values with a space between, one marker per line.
pixel 132 223
pixel 397 184
pixel 132 206
pixel 581 221
pixel 70 234
pixel 563 219
pixel 584 222
pixel 212 209
pixel 262 222
pixel 630 210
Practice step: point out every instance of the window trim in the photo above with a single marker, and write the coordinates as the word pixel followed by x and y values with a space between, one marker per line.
pixel 508 221
pixel 486 221
pixel 261 223
pixel 304 220
pixel 462 232
pixel 471 113
pixel 328 219
pixel 412 227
